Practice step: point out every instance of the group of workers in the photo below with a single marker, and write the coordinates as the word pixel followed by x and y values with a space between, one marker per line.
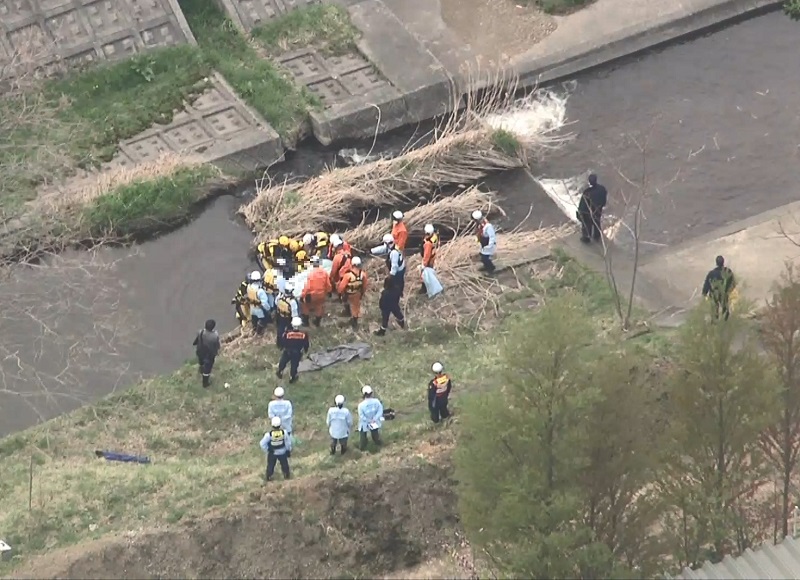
pixel 278 441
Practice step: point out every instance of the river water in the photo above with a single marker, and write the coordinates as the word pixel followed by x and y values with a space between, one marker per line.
pixel 728 123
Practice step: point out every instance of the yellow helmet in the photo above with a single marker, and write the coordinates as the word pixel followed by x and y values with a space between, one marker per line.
pixel 322 239
pixel 294 246
pixel 283 240
pixel 301 256
pixel 262 248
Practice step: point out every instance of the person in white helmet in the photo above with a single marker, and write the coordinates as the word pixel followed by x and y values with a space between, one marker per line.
pixel 352 288
pixel 281 407
pixel 340 423
pixel 277 445
pixel 438 393
pixel 294 343
pixel 430 245
pixel 399 231
pixel 395 262
pixel 337 244
pixel 488 240
pixel 261 303
pixel 370 418
pixel 287 309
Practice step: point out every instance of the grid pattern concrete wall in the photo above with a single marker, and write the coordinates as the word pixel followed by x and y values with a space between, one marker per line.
pixel 779 562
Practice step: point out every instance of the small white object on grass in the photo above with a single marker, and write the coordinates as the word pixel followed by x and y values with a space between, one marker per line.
pixel 227 385
pixel 5 551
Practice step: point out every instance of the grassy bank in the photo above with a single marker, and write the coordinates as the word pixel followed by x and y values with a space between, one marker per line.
pixel 204 443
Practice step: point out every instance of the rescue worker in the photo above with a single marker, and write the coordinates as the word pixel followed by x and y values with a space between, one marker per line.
pixel 389 304
pixel 590 210
pixel 399 231
pixel 488 240
pixel 337 244
pixel 317 244
pixel 241 303
pixel 206 345
pixel 287 310
pixel 341 259
pixel 270 251
pixel 370 417
pixel 430 245
pixel 300 261
pixel 278 448
pixel 340 423
pixel 718 285
pixel 281 408
pixel 294 343
pixel 396 263
pixel 352 287
pixel 438 393
pixel 261 303
pixel 282 273
pixel 318 286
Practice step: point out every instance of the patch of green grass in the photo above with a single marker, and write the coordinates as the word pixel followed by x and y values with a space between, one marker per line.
pixel 505 141
pixel 256 80
pixel 326 26
pixel 792 9
pixel 144 206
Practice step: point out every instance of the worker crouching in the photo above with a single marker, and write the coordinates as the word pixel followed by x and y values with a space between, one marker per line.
pixel 295 343
pixel 370 418
pixel 340 423
pixel 352 287
pixel 438 393
pixel 277 445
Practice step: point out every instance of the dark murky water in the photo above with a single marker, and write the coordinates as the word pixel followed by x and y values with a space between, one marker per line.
pixel 729 121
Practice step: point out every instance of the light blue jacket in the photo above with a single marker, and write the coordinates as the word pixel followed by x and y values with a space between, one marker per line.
pixel 283 409
pixel 267 439
pixel 397 266
pixel 490 248
pixel 267 303
pixel 369 411
pixel 340 422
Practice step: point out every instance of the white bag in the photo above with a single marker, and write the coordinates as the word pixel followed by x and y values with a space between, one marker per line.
pixel 432 283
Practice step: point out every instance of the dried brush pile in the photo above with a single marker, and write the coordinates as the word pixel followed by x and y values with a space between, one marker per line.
pixel 470 146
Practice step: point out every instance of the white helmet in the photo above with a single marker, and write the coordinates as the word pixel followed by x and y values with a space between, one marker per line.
pixel 278 392
pixel 315 260
pixel 281 261
pixel 397 215
pixel 477 215
pixel 437 367
pixel 339 400
pixel 366 390
pixel 289 288
pixel 276 422
pixel 255 276
pixel 336 240
pixel 388 239
pixel 429 229
pixel 297 322
pixel 307 239
pixel 356 261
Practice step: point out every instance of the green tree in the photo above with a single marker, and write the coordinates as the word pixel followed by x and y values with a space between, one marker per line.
pixel 623 452
pixel 792 8
pixel 721 399
pixel 520 457
pixel 780 334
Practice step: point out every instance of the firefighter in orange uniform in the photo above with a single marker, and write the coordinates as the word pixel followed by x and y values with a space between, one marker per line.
pixel 438 392
pixel 399 231
pixel 337 244
pixel 429 247
pixel 352 286
pixel 341 259
pixel 316 290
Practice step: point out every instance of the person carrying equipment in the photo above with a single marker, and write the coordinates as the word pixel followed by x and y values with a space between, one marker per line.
pixel 352 287
pixel 206 345
pixel 281 408
pixel 241 303
pixel 261 303
pixel 370 418
pixel 430 245
pixel 318 286
pixel 287 310
pixel 399 231
pixel 340 422
pixel 488 240
pixel 341 260
pixel 278 448
pixel 438 393
pixel 294 343
pixel 396 263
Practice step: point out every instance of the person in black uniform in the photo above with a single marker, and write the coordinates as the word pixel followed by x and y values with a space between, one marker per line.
pixel 294 343
pixel 206 345
pixel 590 210
pixel 718 286
pixel 389 304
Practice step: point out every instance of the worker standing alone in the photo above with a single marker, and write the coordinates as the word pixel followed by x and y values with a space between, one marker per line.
pixel 340 422
pixel 281 407
pixel 206 345
pixel 315 292
pixel 590 210
pixel 370 417
pixel 488 240
pixel 399 231
pixel 294 343
pixel 287 310
pixel 718 286
pixel 352 286
pixel 278 448
pixel 389 304
pixel 438 393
